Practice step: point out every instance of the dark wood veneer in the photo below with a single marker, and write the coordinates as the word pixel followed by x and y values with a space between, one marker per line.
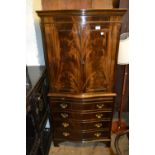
pixel 91 125
pixel 81 135
pixel 56 106
pixel 82 12
pixel 84 116
pixel 81 51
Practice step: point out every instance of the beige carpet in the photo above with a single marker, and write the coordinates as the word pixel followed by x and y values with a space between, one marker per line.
pixel 96 148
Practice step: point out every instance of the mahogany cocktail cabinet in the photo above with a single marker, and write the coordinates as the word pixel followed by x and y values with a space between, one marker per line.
pixel 80 48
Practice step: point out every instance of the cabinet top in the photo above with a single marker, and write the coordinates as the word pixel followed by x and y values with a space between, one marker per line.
pixel 110 12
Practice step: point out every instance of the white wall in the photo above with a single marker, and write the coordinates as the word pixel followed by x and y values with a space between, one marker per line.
pixel 34 47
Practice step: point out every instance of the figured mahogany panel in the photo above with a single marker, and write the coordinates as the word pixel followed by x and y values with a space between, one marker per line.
pixel 94 45
pixel 99 47
pixel 63 52
pixel 81 49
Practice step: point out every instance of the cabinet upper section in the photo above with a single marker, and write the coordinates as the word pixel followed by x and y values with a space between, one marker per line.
pixel 81 49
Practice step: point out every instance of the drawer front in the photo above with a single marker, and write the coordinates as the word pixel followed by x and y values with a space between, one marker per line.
pixel 96 116
pixel 72 135
pixel 89 104
pixel 68 124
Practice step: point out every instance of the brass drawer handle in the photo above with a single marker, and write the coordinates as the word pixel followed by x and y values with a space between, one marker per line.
pixel 98 134
pixel 98 125
pixel 65 125
pixel 100 106
pixel 99 115
pixel 63 105
pixel 66 134
pixel 64 115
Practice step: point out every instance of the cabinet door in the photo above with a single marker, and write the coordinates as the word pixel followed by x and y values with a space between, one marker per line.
pixel 63 54
pixel 96 57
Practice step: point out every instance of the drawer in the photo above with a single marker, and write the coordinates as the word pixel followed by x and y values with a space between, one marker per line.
pixel 89 104
pixel 76 135
pixel 96 116
pixel 69 124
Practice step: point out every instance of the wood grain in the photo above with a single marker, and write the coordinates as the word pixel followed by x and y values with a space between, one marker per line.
pixel 78 4
pixel 66 4
pixel 90 56
pixel 62 47
pixel 102 4
pixel 81 49
pixel 85 126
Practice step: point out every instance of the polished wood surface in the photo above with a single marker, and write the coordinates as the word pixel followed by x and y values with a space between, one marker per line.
pixel 81 51
pixel 96 4
pixel 86 104
pixel 99 12
pixel 82 106
pixel 66 4
pixel 84 116
pixel 90 4
pixel 73 135
pixel 102 4
pixel 72 4
pixel 86 47
pixel 85 126
pixel 81 95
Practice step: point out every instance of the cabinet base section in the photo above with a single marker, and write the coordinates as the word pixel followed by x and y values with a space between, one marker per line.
pixel 107 142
